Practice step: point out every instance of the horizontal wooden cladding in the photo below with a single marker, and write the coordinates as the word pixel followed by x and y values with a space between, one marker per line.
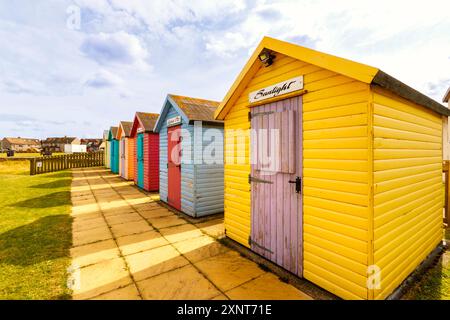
pixel 343 279
pixel 340 207
pixel 383 132
pixel 382 154
pixel 384 143
pixel 409 259
pixel 407 187
pixel 384 176
pixel 387 236
pixel 336 154
pixel 384 98
pixel 338 175
pixel 335 101
pixel 334 112
pixel 338 122
pixel 343 245
pixel 389 201
pixel 344 132
pixel 341 164
pixel 380 121
pixel 408 255
pixel 345 89
pixel 346 197
pixel 405 114
pixel 337 143
pixel 319 221
pixel 390 164
pixel 404 181
pixel 321 277
pixel 389 211
pixel 335 186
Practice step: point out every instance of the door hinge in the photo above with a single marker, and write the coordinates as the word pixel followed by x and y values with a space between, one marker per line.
pixel 250 242
pixel 249 116
pixel 257 180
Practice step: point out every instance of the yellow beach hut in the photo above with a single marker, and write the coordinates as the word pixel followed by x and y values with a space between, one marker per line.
pixel 107 149
pixel 333 169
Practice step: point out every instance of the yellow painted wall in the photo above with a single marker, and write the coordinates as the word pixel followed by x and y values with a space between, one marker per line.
pixel 335 174
pixel 372 179
pixel 408 189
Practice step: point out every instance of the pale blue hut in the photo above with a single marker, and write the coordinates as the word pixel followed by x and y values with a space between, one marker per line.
pixel 191 156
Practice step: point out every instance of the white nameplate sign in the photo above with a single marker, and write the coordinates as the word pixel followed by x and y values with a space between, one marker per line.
pixel 278 89
pixel 173 121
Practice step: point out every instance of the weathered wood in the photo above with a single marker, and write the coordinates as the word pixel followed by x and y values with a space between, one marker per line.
pixel 276 217
pixel 47 164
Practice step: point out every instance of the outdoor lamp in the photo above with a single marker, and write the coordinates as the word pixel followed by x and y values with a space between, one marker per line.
pixel 266 58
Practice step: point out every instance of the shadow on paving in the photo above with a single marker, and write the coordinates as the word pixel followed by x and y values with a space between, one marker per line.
pixel 55 199
pixel 53 184
pixel 45 239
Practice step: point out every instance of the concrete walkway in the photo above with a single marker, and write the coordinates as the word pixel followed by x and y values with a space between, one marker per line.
pixel 127 246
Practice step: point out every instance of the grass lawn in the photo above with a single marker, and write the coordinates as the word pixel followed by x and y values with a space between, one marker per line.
pixel 435 285
pixel 35 233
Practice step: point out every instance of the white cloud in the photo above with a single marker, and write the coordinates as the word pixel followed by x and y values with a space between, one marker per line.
pixel 104 79
pixel 115 48
pixel 138 50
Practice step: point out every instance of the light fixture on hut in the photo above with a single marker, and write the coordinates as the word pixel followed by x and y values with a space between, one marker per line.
pixel 266 57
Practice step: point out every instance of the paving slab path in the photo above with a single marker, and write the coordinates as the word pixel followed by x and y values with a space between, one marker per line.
pixel 128 246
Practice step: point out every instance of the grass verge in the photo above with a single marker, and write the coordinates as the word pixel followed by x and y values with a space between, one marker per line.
pixel 35 233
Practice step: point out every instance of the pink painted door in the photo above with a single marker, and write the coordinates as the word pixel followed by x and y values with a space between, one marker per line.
pixel 276 183
pixel 174 166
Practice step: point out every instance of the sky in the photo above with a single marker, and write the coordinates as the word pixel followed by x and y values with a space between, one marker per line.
pixel 77 67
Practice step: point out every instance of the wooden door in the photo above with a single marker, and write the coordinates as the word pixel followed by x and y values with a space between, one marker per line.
pixel 140 159
pixel 116 156
pixel 276 173
pixel 123 158
pixel 174 166
pixel 111 155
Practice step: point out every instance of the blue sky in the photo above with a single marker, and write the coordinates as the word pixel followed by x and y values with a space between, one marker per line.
pixel 67 74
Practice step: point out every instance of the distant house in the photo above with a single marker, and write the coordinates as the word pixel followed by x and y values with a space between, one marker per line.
pixel 92 145
pixel 56 144
pixel 20 144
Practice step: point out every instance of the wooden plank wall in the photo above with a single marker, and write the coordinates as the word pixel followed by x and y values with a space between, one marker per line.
pixel 408 188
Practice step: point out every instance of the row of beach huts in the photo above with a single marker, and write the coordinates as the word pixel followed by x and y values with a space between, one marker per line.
pixel 329 168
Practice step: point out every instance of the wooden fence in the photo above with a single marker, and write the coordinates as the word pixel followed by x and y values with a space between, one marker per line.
pixel 445 167
pixel 67 161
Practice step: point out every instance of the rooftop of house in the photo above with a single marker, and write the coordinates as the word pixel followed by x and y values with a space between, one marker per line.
pixel 22 141
pixel 195 108
pixel 59 140
pixel 147 120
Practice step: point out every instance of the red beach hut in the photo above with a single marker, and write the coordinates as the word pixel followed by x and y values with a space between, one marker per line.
pixel 146 151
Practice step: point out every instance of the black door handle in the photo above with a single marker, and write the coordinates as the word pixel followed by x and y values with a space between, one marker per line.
pixel 298 184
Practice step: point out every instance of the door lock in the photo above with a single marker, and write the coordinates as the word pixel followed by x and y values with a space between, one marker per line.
pixel 298 184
